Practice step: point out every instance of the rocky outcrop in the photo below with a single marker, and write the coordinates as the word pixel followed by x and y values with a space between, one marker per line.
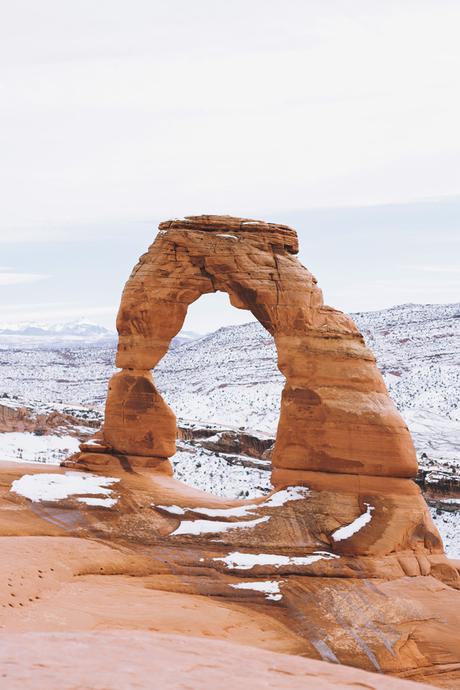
pixel 17 417
pixel 13 418
pixel 338 429
pixel 228 441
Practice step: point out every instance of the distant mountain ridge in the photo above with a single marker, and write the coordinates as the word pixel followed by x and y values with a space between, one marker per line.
pixel 42 329
pixel 41 334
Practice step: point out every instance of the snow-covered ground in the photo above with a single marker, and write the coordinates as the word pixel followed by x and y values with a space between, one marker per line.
pixel 230 378
pixel 56 487
pixel 448 525
pixel 218 474
pixel 27 447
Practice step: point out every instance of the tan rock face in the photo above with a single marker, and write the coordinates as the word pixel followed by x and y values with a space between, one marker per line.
pixel 138 421
pixel 336 415
pixel 153 661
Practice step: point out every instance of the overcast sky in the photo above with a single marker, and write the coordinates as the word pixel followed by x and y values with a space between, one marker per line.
pixel 341 118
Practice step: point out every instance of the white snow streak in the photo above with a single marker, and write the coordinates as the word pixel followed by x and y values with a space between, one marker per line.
pixel 270 588
pixel 175 510
pixel 246 561
pixel 100 502
pixel 347 531
pixel 212 526
pixel 292 493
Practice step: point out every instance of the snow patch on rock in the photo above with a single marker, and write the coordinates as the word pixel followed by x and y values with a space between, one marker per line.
pixel 175 510
pixel 246 561
pixel 99 502
pixel 270 588
pixel 56 487
pixel 214 526
pixel 348 531
pixel 292 493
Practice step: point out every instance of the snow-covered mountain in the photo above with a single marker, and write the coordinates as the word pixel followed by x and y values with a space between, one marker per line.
pixel 229 377
pixel 41 333
pixel 418 351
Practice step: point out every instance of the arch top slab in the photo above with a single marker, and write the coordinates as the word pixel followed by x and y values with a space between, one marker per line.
pixel 253 261
pixel 336 414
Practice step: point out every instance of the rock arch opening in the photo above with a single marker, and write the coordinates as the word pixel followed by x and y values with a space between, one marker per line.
pixel 336 415
pixel 225 389
pixel 226 376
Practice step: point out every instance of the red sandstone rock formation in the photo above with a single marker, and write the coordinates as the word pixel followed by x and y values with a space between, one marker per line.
pixel 336 415
pixel 339 433
pixel 382 586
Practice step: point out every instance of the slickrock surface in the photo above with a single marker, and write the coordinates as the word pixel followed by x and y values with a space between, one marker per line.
pixel 89 576
pixel 151 661
pixel 340 563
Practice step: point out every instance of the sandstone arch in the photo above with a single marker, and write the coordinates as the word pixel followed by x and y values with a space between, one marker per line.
pixel 336 414
pixel 352 532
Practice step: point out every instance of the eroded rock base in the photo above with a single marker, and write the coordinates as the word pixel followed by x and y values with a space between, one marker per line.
pixel 260 573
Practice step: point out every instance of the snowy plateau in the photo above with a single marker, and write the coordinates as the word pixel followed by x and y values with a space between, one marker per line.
pixel 228 381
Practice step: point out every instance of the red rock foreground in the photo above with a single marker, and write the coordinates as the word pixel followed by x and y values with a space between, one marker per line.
pixel 149 661
pixel 341 563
